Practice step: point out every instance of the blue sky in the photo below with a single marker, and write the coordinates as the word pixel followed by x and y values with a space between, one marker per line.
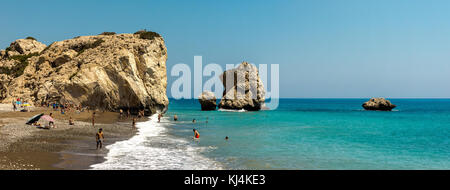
pixel 325 48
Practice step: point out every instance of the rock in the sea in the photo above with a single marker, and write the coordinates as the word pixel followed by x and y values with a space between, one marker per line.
pixel 111 72
pixel 380 104
pixel 207 101
pixel 243 88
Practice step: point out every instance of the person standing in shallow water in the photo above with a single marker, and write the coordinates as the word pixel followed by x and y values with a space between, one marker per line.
pixel 99 138
pixel 196 134
pixel 134 122
pixel 175 118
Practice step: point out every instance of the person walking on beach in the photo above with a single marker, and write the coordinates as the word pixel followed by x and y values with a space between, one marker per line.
pixel 128 113
pixel 159 117
pixel 99 138
pixel 93 119
pixel 196 134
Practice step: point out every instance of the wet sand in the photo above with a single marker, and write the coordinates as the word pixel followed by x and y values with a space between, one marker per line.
pixel 64 147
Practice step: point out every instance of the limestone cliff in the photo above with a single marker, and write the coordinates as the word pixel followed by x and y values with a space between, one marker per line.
pixel 104 71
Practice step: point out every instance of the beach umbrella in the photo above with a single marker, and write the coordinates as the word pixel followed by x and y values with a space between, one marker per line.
pixel 34 119
pixel 48 118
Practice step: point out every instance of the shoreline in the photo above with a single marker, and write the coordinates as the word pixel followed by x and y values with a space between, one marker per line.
pixel 67 147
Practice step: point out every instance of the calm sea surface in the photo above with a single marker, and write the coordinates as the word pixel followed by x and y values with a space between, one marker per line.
pixel 300 134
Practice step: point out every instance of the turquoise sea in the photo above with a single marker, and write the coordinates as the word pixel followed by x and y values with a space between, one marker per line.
pixel 300 134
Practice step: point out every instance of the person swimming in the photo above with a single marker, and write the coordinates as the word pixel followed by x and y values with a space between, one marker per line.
pixel 226 138
pixel 196 134
pixel 193 121
pixel 175 118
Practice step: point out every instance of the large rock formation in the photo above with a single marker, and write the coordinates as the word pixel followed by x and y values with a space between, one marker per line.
pixel 207 101
pixel 380 104
pixel 105 71
pixel 243 88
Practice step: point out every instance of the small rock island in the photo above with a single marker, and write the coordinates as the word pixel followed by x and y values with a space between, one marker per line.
pixel 379 104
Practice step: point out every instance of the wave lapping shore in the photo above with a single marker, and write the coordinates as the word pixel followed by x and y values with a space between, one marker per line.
pixel 153 149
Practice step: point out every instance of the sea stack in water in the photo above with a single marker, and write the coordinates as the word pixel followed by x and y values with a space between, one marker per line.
pixel 379 104
pixel 108 72
pixel 208 101
pixel 243 88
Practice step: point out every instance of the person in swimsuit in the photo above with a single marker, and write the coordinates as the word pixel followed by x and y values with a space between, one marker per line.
pixel 175 118
pixel 121 114
pixel 99 138
pixel 196 134
pixel 134 122
pixel 93 119
pixel 71 121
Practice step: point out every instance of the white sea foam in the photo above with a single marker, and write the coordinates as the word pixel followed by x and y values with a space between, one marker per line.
pixel 228 110
pixel 152 149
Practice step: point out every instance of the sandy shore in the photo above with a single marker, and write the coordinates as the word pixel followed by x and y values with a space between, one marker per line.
pixel 65 147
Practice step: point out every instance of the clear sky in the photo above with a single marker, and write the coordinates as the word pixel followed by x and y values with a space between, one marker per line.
pixel 325 48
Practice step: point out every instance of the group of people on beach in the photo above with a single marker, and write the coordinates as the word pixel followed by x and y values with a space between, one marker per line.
pixel 19 103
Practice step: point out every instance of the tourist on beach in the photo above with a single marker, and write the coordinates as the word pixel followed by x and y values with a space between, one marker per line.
pixel 175 118
pixel 121 113
pixel 134 122
pixel 71 121
pixel 99 138
pixel 36 124
pixel 139 114
pixel 196 134
pixel 14 105
pixel 93 119
pixel 128 113
pixel 159 117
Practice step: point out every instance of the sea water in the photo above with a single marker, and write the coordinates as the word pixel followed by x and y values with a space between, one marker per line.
pixel 300 134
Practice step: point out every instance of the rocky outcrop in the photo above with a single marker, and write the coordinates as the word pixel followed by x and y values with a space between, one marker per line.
pixel 106 71
pixel 25 47
pixel 243 88
pixel 380 104
pixel 207 101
